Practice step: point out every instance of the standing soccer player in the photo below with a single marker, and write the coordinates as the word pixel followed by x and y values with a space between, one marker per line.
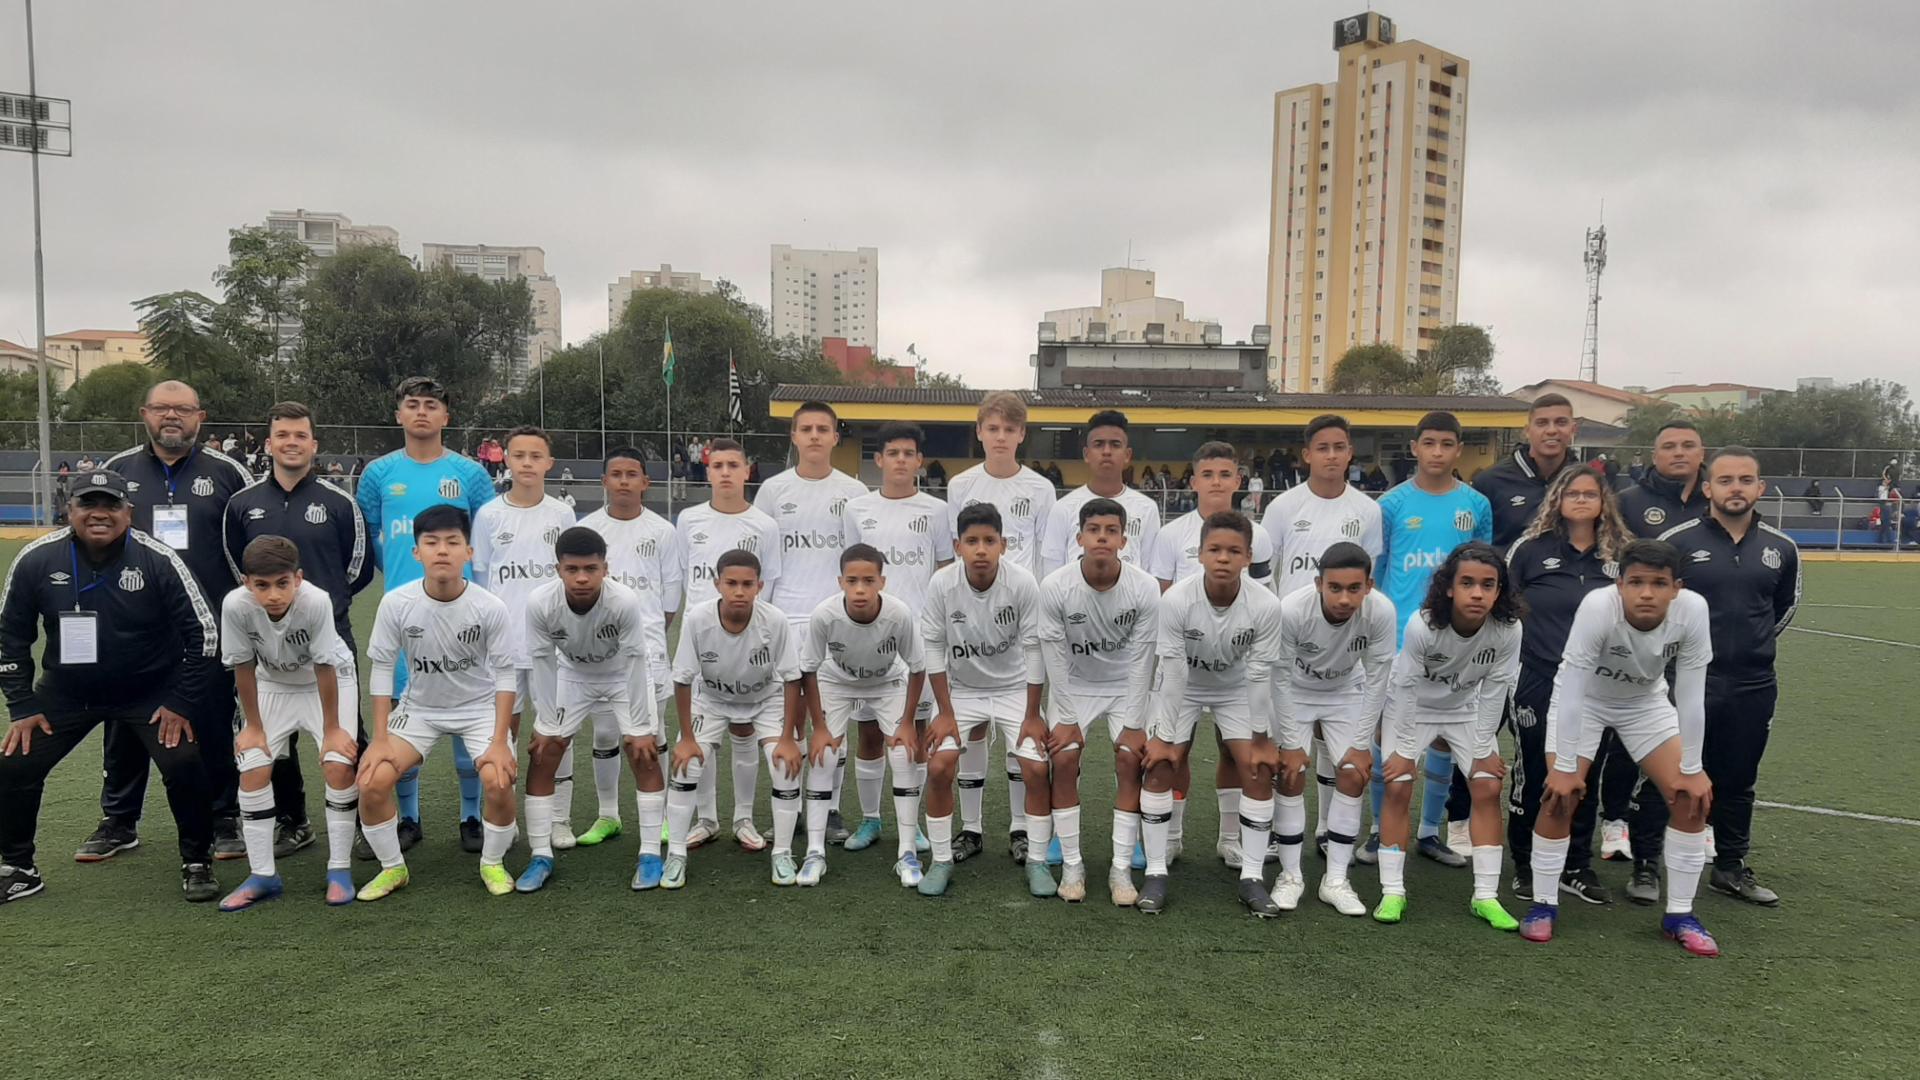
pixel 1099 621
pixel 643 554
pixel 1613 678
pixel 587 642
pixel 1450 683
pixel 395 489
pixel 980 625
pixel 277 636
pixel 454 637
pixel 861 660
pixel 1109 456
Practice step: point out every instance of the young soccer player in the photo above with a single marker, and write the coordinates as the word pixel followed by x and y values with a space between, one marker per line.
pixel 735 668
pixel 1098 619
pixel 1109 456
pixel 705 533
pixel 458 649
pixel 293 674
pixel 1456 668
pixel 1613 677
pixel 512 557
pixel 980 626
pixel 861 660
pixel 1216 649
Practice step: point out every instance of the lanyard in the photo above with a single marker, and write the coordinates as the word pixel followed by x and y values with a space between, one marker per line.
pixel 185 462
pixel 79 590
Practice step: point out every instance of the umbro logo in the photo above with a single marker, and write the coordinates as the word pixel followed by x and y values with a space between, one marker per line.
pixel 1192 633
pixel 1550 563
pixel 1309 647
pixel 836 646
pixel 59 577
pixel 1434 657
pixel 1620 650
pixel 1302 525
pixel 957 617
pixel 255 514
pixel 416 631
pixel 709 657
pixel 1517 500
pixel 698 538
pixel 789 508
pixel 868 523
pixel 502 539
pixel 1700 555
pixel 1077 618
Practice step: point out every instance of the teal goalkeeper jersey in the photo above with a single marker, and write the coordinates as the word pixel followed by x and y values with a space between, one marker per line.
pixel 394 488
pixel 1421 529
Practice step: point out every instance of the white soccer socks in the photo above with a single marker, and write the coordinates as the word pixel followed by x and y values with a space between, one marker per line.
pixel 683 798
pixel 1256 824
pixel 1017 800
pixel 1343 827
pixel 1229 799
pixel 256 829
pixel 539 809
pixel 343 812
pixel 652 806
pixel 606 772
pixel 1066 828
pixel 384 839
pixel 820 779
pixel 973 785
pixel 786 799
pixel 1486 871
pixel 495 840
pixel 909 777
pixel 1290 828
pixel 1156 812
pixel 746 774
pixel 1393 870
pixel 1126 833
pixel 867 779
pixel 1548 861
pixel 1685 856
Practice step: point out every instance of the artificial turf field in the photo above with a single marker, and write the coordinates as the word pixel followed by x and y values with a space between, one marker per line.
pixel 110 973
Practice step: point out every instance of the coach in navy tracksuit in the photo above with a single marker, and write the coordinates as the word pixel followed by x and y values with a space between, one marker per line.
pixel 1749 573
pixel 1517 485
pixel 1673 491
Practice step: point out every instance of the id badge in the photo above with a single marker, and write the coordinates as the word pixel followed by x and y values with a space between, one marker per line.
pixel 170 526
pixel 79 638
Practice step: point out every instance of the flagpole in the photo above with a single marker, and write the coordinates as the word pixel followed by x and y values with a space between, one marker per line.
pixel 670 449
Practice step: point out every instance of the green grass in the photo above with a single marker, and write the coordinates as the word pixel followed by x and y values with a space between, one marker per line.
pixel 110 972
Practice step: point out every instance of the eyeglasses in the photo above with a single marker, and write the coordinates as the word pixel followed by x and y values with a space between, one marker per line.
pixel 1580 496
pixel 171 410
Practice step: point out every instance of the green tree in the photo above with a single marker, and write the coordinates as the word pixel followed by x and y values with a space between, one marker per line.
pixel 258 283
pixel 941 380
pixel 113 392
pixel 19 395
pixel 1371 369
pixel 1459 361
pixel 1717 428
pixel 180 329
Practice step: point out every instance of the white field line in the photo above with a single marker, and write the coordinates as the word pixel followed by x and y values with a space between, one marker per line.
pixel 1855 637
pixel 1829 812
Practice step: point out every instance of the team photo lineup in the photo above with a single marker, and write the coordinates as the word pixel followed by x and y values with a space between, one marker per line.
pixel 1372 652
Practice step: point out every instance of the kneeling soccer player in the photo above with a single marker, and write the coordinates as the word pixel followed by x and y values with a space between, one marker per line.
pixel 1099 618
pixel 980 628
pixel 736 664
pixel 861 660
pixel 293 674
pixel 462 682
pixel 1457 665
pixel 1613 675
pixel 587 641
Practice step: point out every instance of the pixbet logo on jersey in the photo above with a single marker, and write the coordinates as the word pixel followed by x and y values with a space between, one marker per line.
pixel 811 540
pixel 969 650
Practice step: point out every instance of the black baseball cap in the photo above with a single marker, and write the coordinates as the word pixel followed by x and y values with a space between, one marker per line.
pixel 100 481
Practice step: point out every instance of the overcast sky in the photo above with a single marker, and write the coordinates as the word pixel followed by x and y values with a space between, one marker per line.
pixel 1758 161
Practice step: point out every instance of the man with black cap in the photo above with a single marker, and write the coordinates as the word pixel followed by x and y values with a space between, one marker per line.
pixel 131 643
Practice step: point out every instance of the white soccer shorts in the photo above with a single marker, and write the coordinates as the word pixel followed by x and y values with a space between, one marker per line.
pixel 424 733
pixel 881 705
pixel 286 712
pixel 601 702
pixel 1642 728
pixel 1001 713
pixel 709 724
pixel 1090 709
pixel 1465 739
pixel 1176 722
pixel 1338 721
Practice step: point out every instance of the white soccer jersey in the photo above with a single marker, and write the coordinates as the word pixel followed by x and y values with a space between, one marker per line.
pixel 1441 677
pixel 643 553
pixel 1099 643
pixel 604 645
pixel 1327 663
pixel 984 642
pixel 1062 546
pixel 1176 550
pixel 282 652
pixel 704 534
pixel 1303 526
pixel 457 651
pixel 912 533
pixel 1608 665
pixel 810 515
pixel 513 555
pixel 735 675
pixel 1025 501
pixel 853 655
pixel 1213 654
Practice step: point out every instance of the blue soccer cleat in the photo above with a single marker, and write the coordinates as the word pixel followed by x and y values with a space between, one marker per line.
pixel 255 890
pixel 339 887
pixel 1054 858
pixel 864 836
pixel 539 871
pixel 1139 861
pixel 646 874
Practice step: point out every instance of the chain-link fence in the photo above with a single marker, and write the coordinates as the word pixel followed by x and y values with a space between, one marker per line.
pixel 1778 463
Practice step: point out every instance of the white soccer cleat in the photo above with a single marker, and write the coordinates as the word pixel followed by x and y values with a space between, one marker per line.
pixel 1614 841
pixel 1229 852
pixel 1341 897
pixel 1073 883
pixel 747 836
pixel 812 869
pixel 1175 846
pixel 563 838
pixel 1287 890
pixel 1120 885
pixel 1458 837
pixel 704 831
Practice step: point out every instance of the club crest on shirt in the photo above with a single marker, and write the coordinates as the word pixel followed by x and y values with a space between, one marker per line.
pixel 132 580
pixel 316 513
pixel 1670 650
pixel 1243 639
pixel 761 657
pixel 552 534
pixel 1359 644
pixel 1654 515
pixel 1463 520
pixel 1005 617
pixel 749 544
pixel 646 548
pixel 918 524
pixel 1127 618
pixel 886 648
pixel 449 487
pixel 469 635
pixel 1021 507
pixel 1611 568
pixel 255 514
pixel 837 506
pixel 607 632
pixel 1350 528
pixel 203 486
pixel 298 638
pixel 1524 716
pixel 1485 656
pixel 1771 557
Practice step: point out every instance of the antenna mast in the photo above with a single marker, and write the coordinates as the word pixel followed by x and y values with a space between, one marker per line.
pixel 1596 261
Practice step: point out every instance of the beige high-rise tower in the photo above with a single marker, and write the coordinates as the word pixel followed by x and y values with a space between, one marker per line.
pixel 1364 244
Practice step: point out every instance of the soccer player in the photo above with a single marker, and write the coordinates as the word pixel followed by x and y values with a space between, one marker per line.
pixel 1109 456
pixel 454 637
pixel 1177 557
pixel 1674 491
pixel 1025 501
pixel 861 660
pixel 1217 646
pixel 513 556
pixel 980 626
pixel 277 636
pixel 735 667
pixel 808 503
pixel 704 534
pixel 393 490
pixel 587 643
pixel 1424 519
pixel 643 553
pixel 1099 620
pixel 1450 683
pixel 908 527
pixel 1613 678
pixel 1336 652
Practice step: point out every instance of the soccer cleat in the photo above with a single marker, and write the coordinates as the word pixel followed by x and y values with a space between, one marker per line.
pixel 1538 923
pixel 673 872
pixel 603 830
pixel 563 838
pixel 1287 890
pixel 1436 849
pixel 539 871
pixel 385 883
pixel 109 838
pixel 1273 849
pixel 864 836
pixel 1017 846
pixel 1739 883
pixel 1585 884
pixel 496 879
pixel 1152 898
pixel 1139 860
pixel 646 873
pixel 1390 909
pixel 783 871
pixel 1120 886
pixel 1229 851
pixel 812 869
pixel 19 882
pixel 1616 844
pixel 1493 914
pixel 1686 930
pixel 1458 838
pixel 704 831
pixel 1254 897
pixel 472 836
pixel 227 844
pixel 339 887
pixel 1073 883
pixel 1644 886
pixel 935 881
pixel 967 845
pixel 1368 853
pixel 747 836
pixel 920 842
pixel 196 881
pixel 409 833
pixel 1175 846
pixel 255 890
pixel 1055 857
pixel 289 838
pixel 1340 896
pixel 1040 879
pixel 836 828
pixel 1523 884
pixel 907 868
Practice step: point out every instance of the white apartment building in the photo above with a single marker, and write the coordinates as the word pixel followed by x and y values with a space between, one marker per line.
pixel 822 294
pixel 497 264
pixel 621 291
pixel 1127 306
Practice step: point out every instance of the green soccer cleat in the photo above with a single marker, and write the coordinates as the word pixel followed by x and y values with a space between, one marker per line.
pixel 1493 914
pixel 601 831
pixel 673 873
pixel 1040 879
pixel 934 881
pixel 385 884
pixel 1391 909
pixel 496 879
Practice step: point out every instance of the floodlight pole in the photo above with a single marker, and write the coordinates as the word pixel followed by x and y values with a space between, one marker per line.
pixel 43 488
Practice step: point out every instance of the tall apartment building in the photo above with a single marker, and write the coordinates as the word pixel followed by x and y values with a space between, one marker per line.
pixel 324 233
pixel 1127 307
pixel 1364 245
pixel 821 294
pixel 621 291
pixel 496 264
